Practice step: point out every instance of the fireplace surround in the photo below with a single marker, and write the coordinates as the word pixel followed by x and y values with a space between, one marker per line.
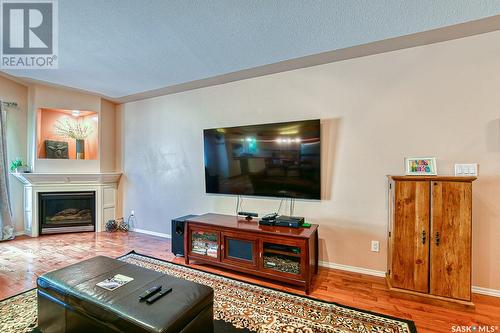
pixel 104 186
pixel 61 212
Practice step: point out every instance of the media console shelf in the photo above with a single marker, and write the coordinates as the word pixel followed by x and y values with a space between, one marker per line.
pixel 285 254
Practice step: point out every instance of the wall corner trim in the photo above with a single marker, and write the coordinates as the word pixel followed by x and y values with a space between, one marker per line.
pixel 152 233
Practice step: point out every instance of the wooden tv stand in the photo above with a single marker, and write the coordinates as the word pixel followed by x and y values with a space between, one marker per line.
pixel 279 253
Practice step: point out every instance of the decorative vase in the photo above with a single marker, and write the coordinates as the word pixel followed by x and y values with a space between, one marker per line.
pixel 80 149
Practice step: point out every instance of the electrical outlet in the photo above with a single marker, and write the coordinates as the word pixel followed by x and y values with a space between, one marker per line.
pixel 132 212
pixel 466 169
pixel 375 246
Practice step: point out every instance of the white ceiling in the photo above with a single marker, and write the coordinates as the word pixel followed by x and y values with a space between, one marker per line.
pixel 123 47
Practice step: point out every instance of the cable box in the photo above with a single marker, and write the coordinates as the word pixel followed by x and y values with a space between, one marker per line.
pixel 267 222
pixel 289 221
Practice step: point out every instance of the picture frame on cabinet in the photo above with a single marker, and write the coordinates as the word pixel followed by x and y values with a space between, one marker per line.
pixel 420 166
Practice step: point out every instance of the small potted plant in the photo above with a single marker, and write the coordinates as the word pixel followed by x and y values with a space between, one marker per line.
pixel 18 166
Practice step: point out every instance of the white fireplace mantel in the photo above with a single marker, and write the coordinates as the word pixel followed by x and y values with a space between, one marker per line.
pixel 104 185
pixel 68 178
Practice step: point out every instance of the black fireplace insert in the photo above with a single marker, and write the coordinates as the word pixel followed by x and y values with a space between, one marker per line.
pixel 61 212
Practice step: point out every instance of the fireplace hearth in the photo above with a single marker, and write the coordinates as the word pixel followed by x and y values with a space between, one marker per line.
pixel 61 212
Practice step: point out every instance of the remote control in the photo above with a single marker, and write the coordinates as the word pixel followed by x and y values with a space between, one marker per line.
pixel 159 295
pixel 150 292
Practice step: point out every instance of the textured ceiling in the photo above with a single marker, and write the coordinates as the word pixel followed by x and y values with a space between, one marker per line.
pixel 123 47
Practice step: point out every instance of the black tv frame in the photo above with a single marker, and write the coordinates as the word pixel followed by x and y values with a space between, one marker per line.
pixel 319 194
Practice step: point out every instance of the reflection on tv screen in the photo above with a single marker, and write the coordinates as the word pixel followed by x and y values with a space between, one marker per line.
pixel 278 160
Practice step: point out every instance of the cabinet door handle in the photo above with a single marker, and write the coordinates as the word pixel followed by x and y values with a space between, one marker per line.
pixel 222 247
pixel 438 238
pixel 260 254
pixel 424 237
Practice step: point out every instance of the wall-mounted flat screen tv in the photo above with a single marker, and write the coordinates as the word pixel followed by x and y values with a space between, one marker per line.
pixel 274 160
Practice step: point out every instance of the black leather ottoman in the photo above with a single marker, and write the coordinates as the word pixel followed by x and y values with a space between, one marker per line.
pixel 70 301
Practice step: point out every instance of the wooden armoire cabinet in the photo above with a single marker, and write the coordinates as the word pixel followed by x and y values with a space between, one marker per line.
pixel 430 236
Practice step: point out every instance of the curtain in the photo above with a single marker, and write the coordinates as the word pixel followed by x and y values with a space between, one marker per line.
pixel 6 223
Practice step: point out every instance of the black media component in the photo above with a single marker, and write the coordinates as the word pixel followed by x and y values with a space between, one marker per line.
pixel 267 222
pixel 289 221
pixel 178 235
pixel 282 248
pixel 269 217
pixel 150 292
pixel 157 296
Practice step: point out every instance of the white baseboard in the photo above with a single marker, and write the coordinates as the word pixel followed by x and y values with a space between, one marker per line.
pixel 19 233
pixel 353 269
pixel 486 291
pixel 153 233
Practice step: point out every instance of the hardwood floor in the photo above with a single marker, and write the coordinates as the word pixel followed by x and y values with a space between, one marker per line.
pixel 23 259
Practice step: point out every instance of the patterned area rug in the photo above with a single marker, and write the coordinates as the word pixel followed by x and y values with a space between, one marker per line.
pixel 245 306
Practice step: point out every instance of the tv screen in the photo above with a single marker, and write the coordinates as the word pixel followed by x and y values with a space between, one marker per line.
pixel 277 160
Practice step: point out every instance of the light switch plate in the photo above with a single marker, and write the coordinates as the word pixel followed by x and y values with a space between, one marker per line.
pixel 375 246
pixel 466 169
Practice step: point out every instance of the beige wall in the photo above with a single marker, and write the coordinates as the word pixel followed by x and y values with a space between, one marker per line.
pixel 438 100
pixel 107 136
pixel 11 91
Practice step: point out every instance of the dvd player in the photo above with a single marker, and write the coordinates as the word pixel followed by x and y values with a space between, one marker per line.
pixel 267 222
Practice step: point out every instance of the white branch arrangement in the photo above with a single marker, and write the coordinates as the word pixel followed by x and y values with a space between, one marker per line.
pixel 73 129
